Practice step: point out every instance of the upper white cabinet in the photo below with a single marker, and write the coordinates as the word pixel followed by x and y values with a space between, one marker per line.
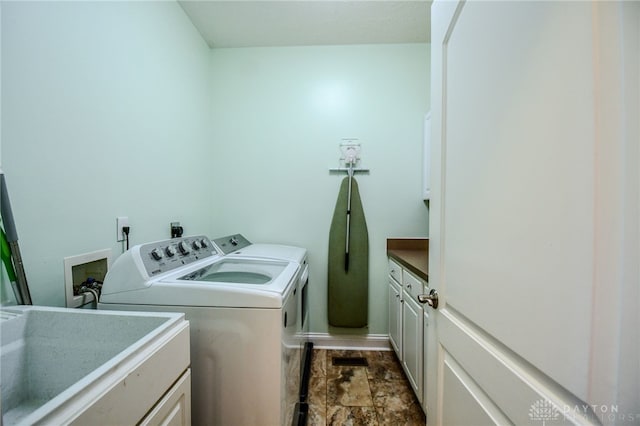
pixel 426 155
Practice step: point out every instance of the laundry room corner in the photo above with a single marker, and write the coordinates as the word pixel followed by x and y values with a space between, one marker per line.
pixel 99 123
pixel 280 115
pixel 157 126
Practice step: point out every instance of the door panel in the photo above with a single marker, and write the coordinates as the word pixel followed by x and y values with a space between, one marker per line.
pixel 529 254
pixel 461 391
pixel 497 376
pixel 527 220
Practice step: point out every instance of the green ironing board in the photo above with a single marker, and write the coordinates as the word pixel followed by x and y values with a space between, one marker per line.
pixel 348 275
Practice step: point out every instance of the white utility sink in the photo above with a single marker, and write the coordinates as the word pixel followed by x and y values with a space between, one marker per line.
pixel 56 363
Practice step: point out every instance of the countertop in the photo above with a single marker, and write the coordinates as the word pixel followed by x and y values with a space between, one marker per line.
pixel 412 253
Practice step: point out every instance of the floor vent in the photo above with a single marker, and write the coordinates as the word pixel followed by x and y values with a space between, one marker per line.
pixel 357 361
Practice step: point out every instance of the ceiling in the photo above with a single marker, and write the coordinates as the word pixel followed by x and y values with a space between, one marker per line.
pixel 241 23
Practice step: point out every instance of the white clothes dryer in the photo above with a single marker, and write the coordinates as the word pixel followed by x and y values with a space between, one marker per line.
pixel 243 316
pixel 238 246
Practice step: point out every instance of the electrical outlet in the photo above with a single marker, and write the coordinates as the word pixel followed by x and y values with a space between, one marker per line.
pixel 121 222
pixel 176 230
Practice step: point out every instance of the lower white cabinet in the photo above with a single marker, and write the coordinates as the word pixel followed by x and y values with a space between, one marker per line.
pixel 412 343
pixel 151 388
pixel 395 315
pixel 406 323
pixel 174 409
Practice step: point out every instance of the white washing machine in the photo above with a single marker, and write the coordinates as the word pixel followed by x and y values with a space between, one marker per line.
pixel 238 247
pixel 244 321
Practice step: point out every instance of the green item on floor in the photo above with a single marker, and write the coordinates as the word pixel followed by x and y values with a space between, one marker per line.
pixel 348 268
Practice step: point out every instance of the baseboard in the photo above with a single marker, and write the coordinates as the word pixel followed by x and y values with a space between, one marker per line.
pixel 375 342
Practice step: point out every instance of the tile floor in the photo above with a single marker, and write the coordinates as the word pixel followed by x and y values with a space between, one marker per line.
pixel 348 396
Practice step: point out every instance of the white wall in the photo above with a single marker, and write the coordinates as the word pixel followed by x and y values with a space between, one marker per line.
pixel 120 109
pixel 279 116
pixel 104 113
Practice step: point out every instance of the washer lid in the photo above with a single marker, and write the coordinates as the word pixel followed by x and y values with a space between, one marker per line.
pixel 238 271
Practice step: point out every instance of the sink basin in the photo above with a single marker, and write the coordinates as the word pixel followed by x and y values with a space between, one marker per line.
pixel 49 356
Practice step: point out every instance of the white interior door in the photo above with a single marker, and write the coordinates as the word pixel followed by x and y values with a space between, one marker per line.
pixel 534 213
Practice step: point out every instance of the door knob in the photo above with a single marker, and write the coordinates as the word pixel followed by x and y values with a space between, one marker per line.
pixel 430 299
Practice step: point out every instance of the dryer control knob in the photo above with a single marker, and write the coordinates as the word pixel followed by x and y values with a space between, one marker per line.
pixel 197 245
pixel 157 254
pixel 171 251
pixel 184 247
pixel 203 242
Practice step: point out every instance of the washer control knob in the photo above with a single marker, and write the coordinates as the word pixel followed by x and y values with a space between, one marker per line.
pixel 203 243
pixel 157 254
pixel 233 241
pixel 184 247
pixel 171 251
pixel 197 245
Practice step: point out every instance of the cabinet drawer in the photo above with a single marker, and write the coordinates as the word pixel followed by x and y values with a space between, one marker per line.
pixel 395 285
pixel 395 271
pixel 411 284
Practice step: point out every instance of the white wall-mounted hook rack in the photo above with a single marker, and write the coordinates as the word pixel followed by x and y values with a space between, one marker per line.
pixel 351 149
pixel 346 170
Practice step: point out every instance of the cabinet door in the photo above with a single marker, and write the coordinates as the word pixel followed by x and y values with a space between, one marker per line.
pixel 412 348
pixel 412 284
pixel 395 317
pixel 395 271
pixel 174 409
